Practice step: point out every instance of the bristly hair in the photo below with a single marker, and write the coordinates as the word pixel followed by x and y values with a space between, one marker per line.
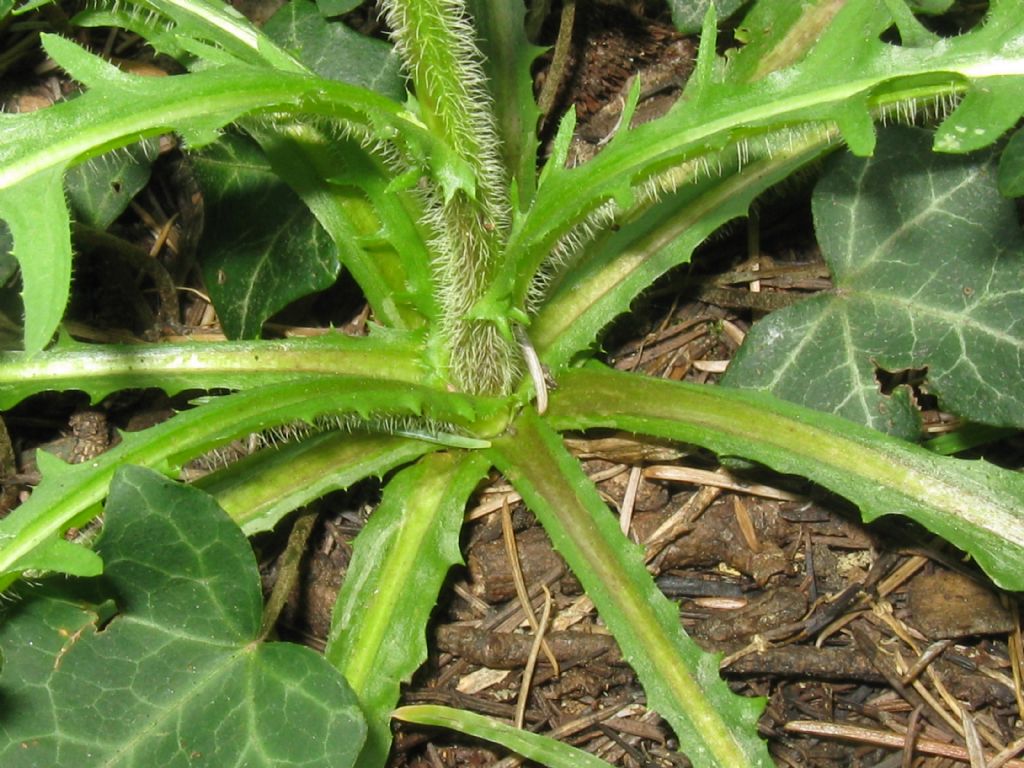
pixel 420 428
pixel 568 250
pixel 469 223
pixel 463 104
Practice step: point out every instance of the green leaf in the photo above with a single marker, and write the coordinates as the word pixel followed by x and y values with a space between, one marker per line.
pixel 541 749
pixel 210 31
pixel 337 7
pixel 911 31
pixel 688 15
pixel 181 653
pixel 334 51
pixel 399 562
pixel 965 437
pixel 37 218
pixel 983 116
pixel 262 247
pixel 68 493
pixel 1011 167
pixel 715 727
pixel 974 505
pixel 374 227
pixel 100 370
pixel 731 113
pixel 932 7
pixel 118 110
pixel 587 295
pixel 61 555
pixel 928 260
pixel 99 190
pixel 260 489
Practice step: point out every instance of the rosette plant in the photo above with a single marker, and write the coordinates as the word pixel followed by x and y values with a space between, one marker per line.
pixel 490 275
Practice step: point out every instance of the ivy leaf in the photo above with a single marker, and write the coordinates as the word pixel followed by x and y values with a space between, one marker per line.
pixel 337 7
pixel 335 51
pixel 928 261
pixel 100 189
pixel 186 589
pixel 1011 167
pixel 688 15
pixel 263 247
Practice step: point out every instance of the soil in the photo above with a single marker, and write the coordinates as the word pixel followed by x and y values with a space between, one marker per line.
pixel 871 645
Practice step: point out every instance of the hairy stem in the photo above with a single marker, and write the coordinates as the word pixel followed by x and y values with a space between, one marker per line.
pixel 468 205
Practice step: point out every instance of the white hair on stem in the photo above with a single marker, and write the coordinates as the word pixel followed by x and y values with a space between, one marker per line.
pixel 436 43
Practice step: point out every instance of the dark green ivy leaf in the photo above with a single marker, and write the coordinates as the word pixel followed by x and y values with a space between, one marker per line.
pixel 160 662
pixel 262 247
pixel 928 262
pixel 1011 167
pixel 334 50
pixel 337 7
pixel 688 15
pixel 100 189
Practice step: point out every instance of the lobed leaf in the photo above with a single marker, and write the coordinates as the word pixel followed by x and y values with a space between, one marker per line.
pixel 102 370
pixel 374 227
pixel 36 215
pixel 777 35
pixel 68 493
pixel 609 274
pixel 118 110
pixel 928 263
pixel 724 112
pixel 399 562
pixel 260 489
pixel 930 6
pixel 976 506
pixel 716 728
pixel 186 589
pixel 210 31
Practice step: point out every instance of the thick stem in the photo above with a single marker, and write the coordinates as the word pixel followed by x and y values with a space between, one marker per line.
pixel 468 202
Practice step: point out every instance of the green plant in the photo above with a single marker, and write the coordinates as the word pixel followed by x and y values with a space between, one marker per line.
pixel 483 273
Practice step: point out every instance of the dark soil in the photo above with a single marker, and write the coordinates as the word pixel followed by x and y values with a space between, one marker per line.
pixel 872 645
